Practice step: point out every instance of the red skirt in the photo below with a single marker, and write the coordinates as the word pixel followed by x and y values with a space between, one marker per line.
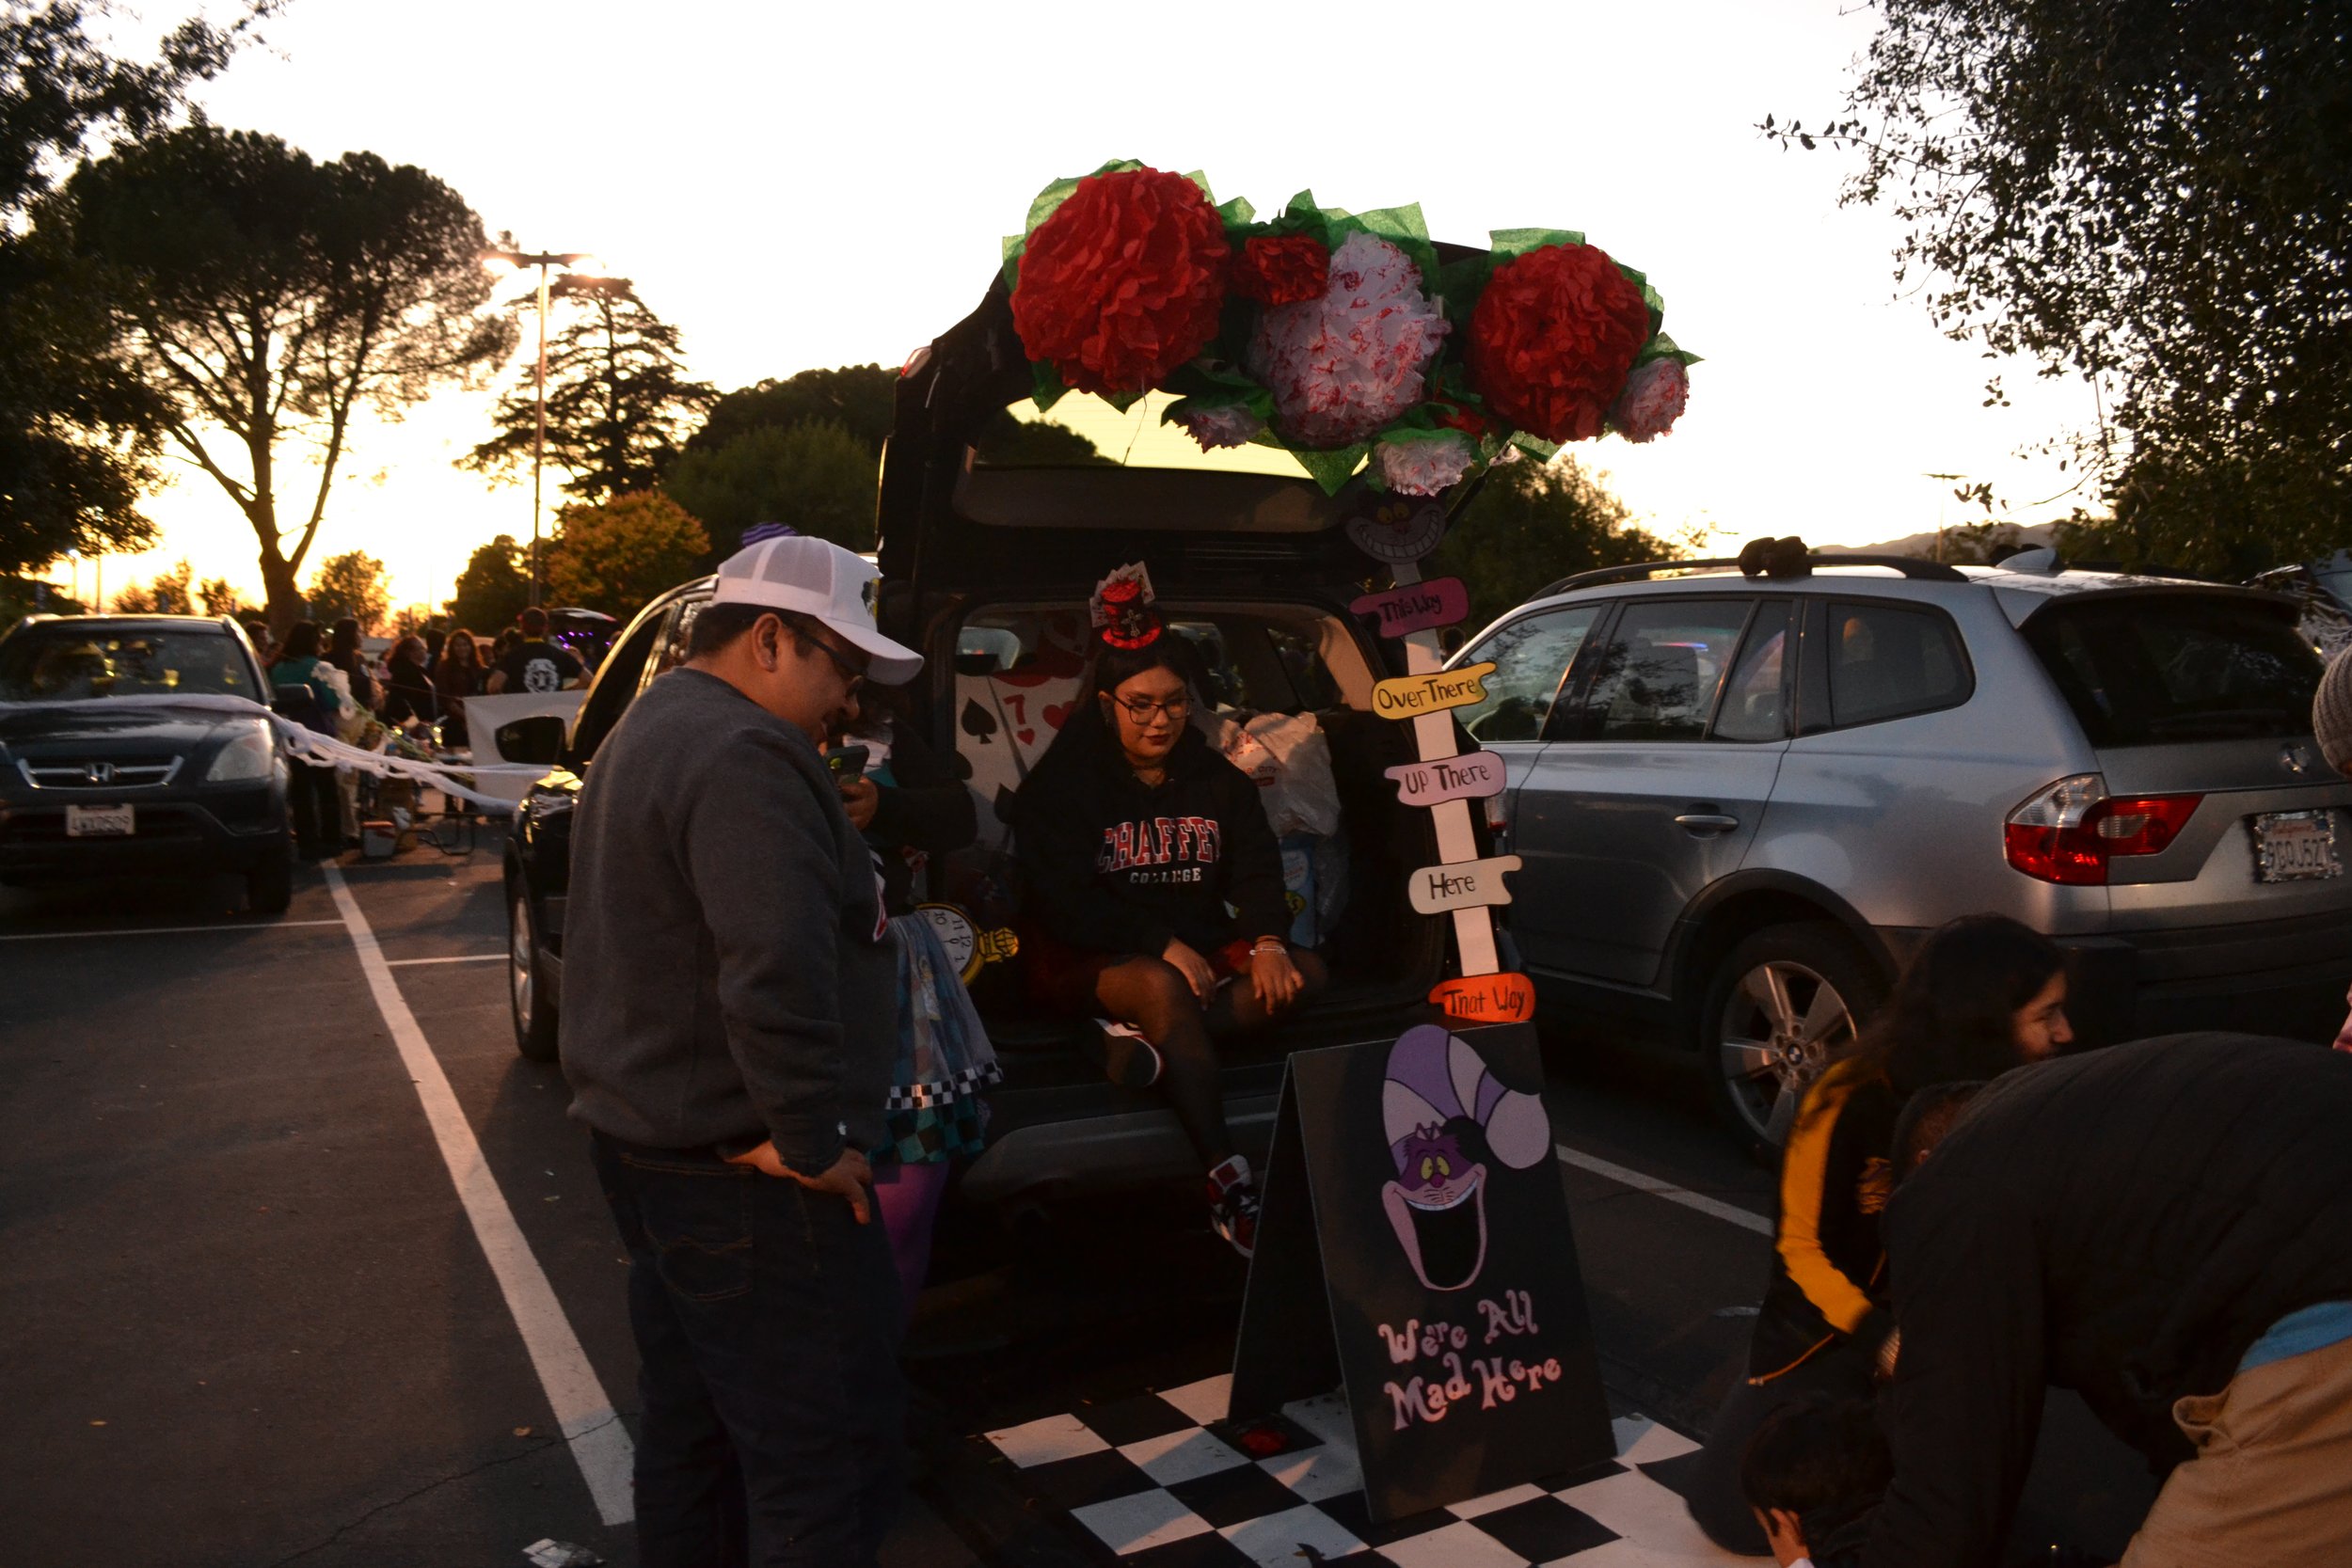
pixel 1063 977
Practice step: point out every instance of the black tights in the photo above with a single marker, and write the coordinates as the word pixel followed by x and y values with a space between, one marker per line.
pixel 1152 994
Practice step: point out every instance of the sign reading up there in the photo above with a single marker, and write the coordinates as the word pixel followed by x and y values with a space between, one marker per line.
pixel 1410 696
pixel 1470 775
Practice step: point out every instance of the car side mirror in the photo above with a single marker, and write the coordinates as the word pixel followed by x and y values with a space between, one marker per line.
pixel 538 740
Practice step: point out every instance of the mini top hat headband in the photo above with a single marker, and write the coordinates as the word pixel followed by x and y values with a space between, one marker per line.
pixel 1124 609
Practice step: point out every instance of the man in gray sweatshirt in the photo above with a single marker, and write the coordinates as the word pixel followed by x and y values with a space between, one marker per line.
pixel 729 1024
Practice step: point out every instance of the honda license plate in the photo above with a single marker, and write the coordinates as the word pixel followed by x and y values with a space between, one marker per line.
pixel 99 821
pixel 2295 846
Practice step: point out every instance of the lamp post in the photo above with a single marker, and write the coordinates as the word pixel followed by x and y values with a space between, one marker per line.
pixel 542 260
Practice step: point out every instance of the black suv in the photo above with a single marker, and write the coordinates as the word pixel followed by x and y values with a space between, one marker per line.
pixel 987 570
pixel 105 769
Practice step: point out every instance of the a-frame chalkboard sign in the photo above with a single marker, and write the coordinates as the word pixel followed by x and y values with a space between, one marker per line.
pixel 1414 1249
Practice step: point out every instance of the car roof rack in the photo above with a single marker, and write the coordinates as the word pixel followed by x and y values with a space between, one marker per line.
pixel 1909 565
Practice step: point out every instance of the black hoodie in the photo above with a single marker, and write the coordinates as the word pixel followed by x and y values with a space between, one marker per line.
pixel 1115 867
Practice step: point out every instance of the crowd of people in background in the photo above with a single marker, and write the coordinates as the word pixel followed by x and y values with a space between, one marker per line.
pixel 327 681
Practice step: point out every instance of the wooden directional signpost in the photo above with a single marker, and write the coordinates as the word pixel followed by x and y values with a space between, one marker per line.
pixel 1415 1246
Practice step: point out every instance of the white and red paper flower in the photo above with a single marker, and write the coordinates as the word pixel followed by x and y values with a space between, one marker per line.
pixel 1652 401
pixel 1425 463
pixel 1343 366
pixel 1224 425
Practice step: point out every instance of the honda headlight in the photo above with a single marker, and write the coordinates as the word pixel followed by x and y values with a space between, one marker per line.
pixel 249 758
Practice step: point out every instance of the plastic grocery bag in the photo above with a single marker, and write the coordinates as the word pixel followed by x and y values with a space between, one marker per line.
pixel 1288 757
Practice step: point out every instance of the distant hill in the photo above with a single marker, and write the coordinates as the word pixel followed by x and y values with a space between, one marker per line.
pixel 1923 545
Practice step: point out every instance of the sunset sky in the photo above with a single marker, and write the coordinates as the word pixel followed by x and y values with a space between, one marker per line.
pixel 798 187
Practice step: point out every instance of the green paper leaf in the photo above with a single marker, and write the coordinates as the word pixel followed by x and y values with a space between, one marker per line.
pixel 1396 223
pixel 1059 192
pixel 1045 385
pixel 1238 214
pixel 1663 347
pixel 1509 243
pixel 1527 441
pixel 1122 401
pixel 1200 178
pixel 1331 468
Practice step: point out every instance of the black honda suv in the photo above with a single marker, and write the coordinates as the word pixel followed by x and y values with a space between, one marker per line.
pixel 987 570
pixel 107 767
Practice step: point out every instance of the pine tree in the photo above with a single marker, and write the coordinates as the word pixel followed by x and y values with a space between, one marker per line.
pixel 619 400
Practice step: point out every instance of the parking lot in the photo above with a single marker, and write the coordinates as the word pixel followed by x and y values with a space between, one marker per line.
pixel 306 1264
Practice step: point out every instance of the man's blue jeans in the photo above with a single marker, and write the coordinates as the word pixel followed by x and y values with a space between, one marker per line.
pixel 766 1320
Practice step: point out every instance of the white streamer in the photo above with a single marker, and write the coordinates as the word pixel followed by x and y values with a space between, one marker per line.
pixel 311 747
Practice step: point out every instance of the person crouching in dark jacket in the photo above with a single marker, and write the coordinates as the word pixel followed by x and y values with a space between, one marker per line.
pixel 2166 1227
pixel 1134 837
pixel 1982 995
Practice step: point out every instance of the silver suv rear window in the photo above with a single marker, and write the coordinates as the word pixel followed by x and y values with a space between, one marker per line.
pixel 2155 670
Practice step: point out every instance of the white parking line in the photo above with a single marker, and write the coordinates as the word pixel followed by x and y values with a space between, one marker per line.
pixel 584 1412
pixel 461 958
pixel 166 930
pixel 1716 1208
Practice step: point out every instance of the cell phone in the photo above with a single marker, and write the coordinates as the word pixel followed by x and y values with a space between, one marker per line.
pixel 849 762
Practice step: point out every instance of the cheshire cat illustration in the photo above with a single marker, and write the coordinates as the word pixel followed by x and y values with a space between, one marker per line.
pixel 1438 1089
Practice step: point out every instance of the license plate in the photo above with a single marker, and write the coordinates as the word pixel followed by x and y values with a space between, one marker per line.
pixel 99 821
pixel 2295 846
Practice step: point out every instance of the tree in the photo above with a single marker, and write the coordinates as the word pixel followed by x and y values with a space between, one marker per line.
pixel 166 595
pixel 618 555
pixel 2154 197
pixel 494 587
pixel 1532 523
pixel 219 598
pixel 78 432
pixel 618 396
pixel 1014 443
pixel 818 478
pixel 267 297
pixel 350 584
pixel 862 399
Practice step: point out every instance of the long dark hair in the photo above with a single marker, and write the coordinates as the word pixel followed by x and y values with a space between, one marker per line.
pixel 1088 736
pixel 1953 1010
pixel 302 641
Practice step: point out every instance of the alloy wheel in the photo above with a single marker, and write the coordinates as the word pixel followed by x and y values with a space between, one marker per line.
pixel 1783 1023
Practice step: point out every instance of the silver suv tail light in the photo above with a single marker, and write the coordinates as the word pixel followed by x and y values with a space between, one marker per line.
pixel 2068 832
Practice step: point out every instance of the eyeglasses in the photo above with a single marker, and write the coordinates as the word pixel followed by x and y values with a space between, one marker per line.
pixel 853 671
pixel 1143 710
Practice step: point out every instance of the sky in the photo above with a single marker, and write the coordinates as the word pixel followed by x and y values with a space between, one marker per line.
pixel 799 185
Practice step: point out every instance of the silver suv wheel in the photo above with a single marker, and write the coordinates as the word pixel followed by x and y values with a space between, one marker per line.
pixel 1785 1003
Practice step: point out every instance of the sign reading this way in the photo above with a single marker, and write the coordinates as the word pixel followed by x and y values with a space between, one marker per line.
pixel 1416 605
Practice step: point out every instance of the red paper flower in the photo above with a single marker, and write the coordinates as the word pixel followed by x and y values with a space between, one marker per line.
pixel 1283 269
pixel 1123 283
pixel 1552 337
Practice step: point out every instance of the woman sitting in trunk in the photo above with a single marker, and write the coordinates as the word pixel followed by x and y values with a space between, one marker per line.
pixel 1135 838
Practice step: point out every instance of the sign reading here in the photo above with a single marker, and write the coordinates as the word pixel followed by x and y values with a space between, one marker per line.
pixel 1470 776
pixel 1416 605
pixel 1410 696
pixel 1462 885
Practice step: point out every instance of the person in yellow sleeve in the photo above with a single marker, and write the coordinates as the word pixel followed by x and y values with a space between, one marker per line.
pixel 1982 995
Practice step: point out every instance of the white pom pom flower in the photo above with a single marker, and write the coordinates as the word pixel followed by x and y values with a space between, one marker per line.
pixel 1425 463
pixel 1343 366
pixel 1652 401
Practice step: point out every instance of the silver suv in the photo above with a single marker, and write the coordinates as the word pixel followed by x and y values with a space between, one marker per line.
pixel 1741 800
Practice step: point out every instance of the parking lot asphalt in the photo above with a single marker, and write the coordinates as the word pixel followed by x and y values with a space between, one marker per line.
pixel 305 1264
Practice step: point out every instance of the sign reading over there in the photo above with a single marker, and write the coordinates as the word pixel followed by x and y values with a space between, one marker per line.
pixel 1416 605
pixel 1470 776
pixel 1486 998
pixel 1463 885
pixel 1410 696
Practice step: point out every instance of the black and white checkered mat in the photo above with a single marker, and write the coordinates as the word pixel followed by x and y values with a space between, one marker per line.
pixel 1163 1482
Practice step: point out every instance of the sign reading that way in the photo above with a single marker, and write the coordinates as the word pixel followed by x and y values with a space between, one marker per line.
pixel 1414 1247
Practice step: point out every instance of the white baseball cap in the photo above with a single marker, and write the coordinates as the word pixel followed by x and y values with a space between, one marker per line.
pixel 819 579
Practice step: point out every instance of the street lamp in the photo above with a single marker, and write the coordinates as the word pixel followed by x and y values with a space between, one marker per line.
pixel 542 260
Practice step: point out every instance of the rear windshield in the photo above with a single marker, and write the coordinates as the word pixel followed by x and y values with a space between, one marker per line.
pixel 62 663
pixel 2153 670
